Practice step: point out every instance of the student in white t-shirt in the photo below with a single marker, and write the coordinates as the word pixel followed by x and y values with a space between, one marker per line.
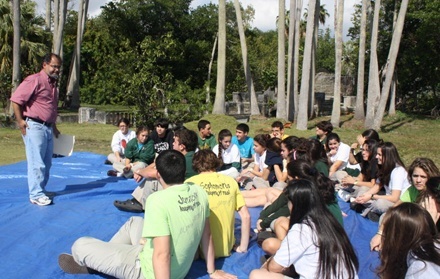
pixel 392 177
pixel 120 140
pixel 228 153
pixel 316 245
pixel 338 154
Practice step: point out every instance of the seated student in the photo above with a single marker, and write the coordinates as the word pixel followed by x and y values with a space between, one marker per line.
pixel 265 196
pixel 338 153
pixel 313 151
pixel 224 199
pixel 366 178
pixel 185 141
pixel 245 144
pixel 392 176
pixel 367 134
pixel 206 139
pixel 323 128
pixel 256 177
pixel 158 246
pixel 228 153
pixel 420 171
pixel 139 153
pixel 278 130
pixel 162 136
pixel 316 245
pixel 119 141
pixel 275 214
pixel 411 244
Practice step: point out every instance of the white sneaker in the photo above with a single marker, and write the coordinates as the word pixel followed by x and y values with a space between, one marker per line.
pixel 344 195
pixel 44 200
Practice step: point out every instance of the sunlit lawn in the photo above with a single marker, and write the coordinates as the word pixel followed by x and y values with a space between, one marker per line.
pixel 414 137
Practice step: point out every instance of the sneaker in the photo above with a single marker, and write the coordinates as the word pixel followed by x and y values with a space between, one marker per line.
pixel 112 173
pixel 131 205
pixel 373 216
pixel 344 195
pixel 107 162
pixel 357 207
pixel 67 264
pixel 366 212
pixel 44 200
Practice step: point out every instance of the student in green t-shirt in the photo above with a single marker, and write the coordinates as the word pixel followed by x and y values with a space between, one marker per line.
pixel 159 245
pixel 206 139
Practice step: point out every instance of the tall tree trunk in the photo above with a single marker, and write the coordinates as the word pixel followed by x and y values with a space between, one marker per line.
pixel 16 75
pixel 208 86
pixel 392 57
pixel 219 103
pixel 313 68
pixel 247 69
pixel 373 73
pixel 281 97
pixel 359 112
pixel 48 14
pixel 59 20
pixel 72 96
pixel 290 62
pixel 393 89
pixel 296 58
pixel 306 68
pixel 336 111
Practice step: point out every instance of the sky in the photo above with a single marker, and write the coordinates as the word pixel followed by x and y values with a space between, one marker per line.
pixel 266 11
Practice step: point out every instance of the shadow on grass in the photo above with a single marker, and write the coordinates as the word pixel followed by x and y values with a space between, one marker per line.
pixel 395 124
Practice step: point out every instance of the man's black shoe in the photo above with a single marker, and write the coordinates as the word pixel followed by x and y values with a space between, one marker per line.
pixel 129 206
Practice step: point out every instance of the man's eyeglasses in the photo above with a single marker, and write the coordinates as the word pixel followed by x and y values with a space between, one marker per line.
pixel 55 66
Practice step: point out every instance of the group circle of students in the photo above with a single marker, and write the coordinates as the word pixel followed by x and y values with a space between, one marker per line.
pixel 298 182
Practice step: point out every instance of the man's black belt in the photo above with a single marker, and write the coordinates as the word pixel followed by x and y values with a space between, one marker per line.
pixel 40 121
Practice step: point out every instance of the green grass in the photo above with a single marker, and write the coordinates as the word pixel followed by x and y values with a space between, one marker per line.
pixel 413 136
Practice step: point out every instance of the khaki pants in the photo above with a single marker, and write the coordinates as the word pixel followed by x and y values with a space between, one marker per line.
pixel 118 257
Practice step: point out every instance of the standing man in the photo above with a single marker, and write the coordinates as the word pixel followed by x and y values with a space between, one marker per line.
pixel 35 104
pixel 206 138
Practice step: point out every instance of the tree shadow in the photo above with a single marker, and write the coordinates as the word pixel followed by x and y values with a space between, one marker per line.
pixel 346 120
pixel 395 124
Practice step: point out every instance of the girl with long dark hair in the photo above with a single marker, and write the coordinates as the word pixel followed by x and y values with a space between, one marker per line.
pixel 411 244
pixel 228 153
pixel 316 244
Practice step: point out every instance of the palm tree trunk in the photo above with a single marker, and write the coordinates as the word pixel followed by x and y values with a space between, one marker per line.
pixel 208 85
pixel 48 14
pixel 336 111
pixel 73 83
pixel 60 19
pixel 359 112
pixel 290 62
pixel 296 58
pixel 219 103
pixel 281 97
pixel 392 57
pixel 247 70
pixel 307 65
pixel 16 75
pixel 373 74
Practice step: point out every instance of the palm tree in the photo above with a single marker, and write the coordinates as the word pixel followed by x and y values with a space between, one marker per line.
pixel 373 74
pixel 281 95
pixel 336 111
pixel 307 68
pixel 359 112
pixel 219 103
pixel 247 70
pixel 392 57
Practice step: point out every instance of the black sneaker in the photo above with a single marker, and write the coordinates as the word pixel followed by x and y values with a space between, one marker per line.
pixel 67 264
pixel 131 205
pixel 107 162
pixel 357 207
pixel 373 216
pixel 112 173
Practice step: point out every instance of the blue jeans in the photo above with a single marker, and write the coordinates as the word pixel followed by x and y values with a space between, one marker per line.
pixel 38 142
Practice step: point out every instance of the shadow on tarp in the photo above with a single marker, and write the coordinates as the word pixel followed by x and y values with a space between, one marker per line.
pixel 32 237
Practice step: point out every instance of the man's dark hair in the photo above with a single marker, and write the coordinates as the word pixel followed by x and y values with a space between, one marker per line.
pixel 48 57
pixel 124 120
pixel 326 126
pixel 242 127
pixel 188 138
pixel 162 122
pixel 202 124
pixel 171 166
pixel 278 124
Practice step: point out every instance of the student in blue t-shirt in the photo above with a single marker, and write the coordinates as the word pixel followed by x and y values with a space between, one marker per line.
pixel 245 144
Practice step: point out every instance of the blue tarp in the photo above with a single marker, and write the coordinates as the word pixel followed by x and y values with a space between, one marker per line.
pixel 32 237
